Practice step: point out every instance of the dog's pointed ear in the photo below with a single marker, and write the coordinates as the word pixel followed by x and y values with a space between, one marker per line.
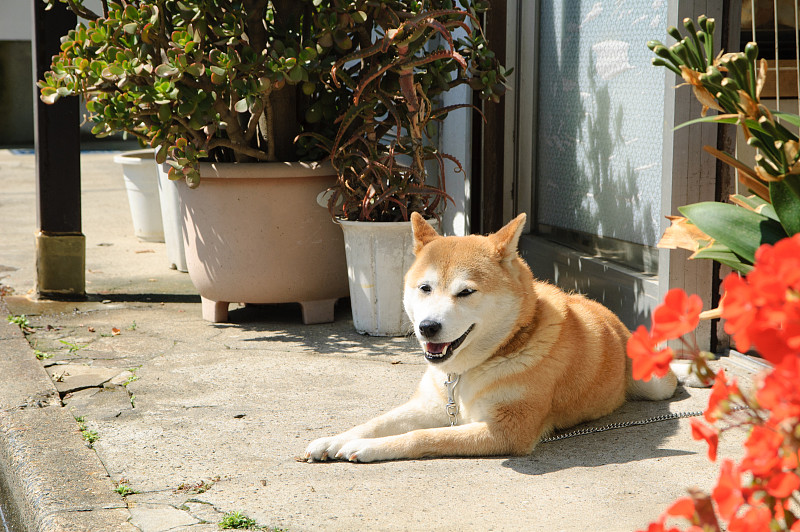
pixel 423 231
pixel 507 238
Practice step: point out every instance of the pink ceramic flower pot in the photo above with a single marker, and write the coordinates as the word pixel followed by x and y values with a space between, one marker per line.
pixel 254 233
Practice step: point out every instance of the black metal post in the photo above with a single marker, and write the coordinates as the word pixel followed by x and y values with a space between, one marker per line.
pixel 60 245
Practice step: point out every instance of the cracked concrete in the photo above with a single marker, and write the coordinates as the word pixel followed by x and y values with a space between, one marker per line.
pixel 202 419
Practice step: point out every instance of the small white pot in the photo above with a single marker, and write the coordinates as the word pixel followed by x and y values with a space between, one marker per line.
pixel 141 182
pixel 172 220
pixel 378 256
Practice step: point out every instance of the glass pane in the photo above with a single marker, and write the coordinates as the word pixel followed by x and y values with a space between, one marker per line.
pixel 601 108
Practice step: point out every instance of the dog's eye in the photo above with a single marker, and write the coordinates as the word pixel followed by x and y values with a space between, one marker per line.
pixel 465 292
pixel 425 288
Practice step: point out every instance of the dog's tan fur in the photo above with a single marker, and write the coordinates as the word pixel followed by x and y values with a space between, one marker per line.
pixel 535 358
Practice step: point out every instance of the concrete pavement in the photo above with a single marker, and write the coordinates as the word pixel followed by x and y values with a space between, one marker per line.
pixel 196 420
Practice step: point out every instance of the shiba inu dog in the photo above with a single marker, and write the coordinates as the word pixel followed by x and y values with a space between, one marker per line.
pixel 510 358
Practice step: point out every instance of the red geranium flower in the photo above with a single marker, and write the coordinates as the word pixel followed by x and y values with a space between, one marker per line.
pixel 701 431
pixel 647 358
pixel 756 519
pixel 678 315
pixel 762 448
pixel 728 492
pixel 738 310
pixel 721 392
pixel 783 484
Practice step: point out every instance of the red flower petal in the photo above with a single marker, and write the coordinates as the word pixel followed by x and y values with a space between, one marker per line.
pixel 701 431
pixel 683 507
pixel 678 315
pixel 646 360
pixel 783 485
pixel 728 491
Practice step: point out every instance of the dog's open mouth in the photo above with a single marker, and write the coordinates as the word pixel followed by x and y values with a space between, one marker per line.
pixel 440 352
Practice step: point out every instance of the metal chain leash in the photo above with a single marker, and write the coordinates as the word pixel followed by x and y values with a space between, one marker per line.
pixel 624 424
pixel 452 411
pixel 452 407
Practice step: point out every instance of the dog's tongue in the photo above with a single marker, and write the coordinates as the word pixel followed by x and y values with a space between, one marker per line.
pixel 436 349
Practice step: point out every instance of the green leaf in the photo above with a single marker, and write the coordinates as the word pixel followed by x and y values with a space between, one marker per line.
pixel 241 106
pixel 296 74
pixel 196 69
pixel 164 113
pixel 737 228
pixel 720 119
pixel 787 117
pixel 165 70
pixel 50 95
pixel 785 196
pixel 722 254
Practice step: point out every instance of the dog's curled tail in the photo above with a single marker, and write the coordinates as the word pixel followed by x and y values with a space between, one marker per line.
pixel 656 389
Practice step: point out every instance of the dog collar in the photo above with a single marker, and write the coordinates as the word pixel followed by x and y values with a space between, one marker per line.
pixel 452 407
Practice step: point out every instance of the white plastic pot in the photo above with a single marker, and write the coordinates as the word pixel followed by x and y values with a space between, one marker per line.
pixel 378 256
pixel 141 182
pixel 172 220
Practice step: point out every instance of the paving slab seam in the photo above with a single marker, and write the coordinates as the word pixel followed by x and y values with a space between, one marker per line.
pixel 54 481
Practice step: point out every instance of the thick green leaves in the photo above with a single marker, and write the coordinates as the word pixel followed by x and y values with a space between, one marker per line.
pixel 722 254
pixel 740 230
pixel 785 196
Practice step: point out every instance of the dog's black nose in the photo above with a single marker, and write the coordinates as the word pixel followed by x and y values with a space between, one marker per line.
pixel 429 328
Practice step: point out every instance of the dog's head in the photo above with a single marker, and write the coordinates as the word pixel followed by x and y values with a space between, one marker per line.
pixel 464 295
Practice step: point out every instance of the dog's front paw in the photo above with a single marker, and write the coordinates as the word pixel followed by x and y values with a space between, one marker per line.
pixel 323 448
pixel 363 450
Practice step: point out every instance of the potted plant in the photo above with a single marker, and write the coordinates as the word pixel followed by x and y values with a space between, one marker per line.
pixel 385 150
pixel 756 235
pixel 211 86
pixel 210 83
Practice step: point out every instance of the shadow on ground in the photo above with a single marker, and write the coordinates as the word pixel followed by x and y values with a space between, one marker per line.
pixel 282 323
pixel 622 445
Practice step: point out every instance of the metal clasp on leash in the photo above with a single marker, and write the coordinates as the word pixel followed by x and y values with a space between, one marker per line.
pixel 452 407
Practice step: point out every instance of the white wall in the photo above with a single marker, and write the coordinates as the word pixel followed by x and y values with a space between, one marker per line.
pixel 16 20
pixel 455 138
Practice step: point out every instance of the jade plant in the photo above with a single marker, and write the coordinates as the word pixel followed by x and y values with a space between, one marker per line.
pixel 731 84
pixel 267 80
pixel 385 151
pixel 220 80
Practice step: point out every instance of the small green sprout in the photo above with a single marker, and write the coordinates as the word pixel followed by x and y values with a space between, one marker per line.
pixel 236 520
pixel 22 321
pixel 124 490
pixel 90 436
pixel 73 347
pixel 41 355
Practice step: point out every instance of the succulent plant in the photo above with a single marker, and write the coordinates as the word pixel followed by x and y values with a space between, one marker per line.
pixel 239 80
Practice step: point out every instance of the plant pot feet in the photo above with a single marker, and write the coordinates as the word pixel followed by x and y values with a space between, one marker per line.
pixel 214 311
pixel 320 311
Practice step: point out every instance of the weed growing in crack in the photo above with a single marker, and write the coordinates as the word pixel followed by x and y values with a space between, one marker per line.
pixel 73 348
pixel 90 436
pixel 21 321
pixel 134 377
pixel 124 490
pixel 237 520
pixel 41 355
pixel 197 487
